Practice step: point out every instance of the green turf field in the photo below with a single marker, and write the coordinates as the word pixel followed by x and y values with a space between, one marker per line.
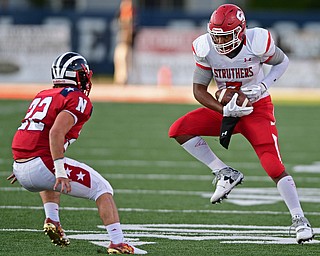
pixel 163 193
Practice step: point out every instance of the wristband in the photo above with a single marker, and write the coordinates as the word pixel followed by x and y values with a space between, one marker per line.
pixel 60 172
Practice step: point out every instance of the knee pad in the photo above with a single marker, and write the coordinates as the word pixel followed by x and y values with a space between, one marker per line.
pixel 175 128
pixel 271 164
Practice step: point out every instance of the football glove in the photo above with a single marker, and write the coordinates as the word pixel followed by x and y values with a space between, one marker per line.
pixel 254 92
pixel 233 110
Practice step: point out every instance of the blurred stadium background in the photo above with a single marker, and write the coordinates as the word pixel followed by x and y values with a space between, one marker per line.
pixel 33 32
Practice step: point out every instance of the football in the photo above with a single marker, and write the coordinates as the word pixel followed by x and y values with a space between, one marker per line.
pixel 225 95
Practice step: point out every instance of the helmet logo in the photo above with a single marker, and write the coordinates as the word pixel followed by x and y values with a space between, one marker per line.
pixel 240 15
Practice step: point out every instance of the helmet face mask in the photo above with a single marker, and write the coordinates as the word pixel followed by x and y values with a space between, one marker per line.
pixel 72 69
pixel 227 28
pixel 84 79
pixel 228 45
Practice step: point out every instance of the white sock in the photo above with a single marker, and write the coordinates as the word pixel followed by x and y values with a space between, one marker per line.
pixel 52 211
pixel 115 233
pixel 288 192
pixel 198 148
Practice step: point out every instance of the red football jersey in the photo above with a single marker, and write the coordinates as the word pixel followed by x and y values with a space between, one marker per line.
pixel 32 137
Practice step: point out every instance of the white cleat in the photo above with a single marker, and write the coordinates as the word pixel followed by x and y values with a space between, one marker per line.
pixel 304 232
pixel 226 178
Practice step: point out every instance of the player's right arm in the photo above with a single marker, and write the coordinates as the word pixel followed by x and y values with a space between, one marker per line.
pixel 203 75
pixel 62 124
pixel 201 81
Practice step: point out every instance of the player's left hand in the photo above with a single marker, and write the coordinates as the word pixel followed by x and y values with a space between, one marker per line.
pixel 254 92
pixel 233 110
pixel 65 185
pixel 12 177
pixel 62 178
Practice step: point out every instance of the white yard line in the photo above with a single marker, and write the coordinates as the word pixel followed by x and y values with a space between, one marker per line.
pixel 135 233
pixel 157 163
pixel 139 176
pixel 241 196
pixel 17 207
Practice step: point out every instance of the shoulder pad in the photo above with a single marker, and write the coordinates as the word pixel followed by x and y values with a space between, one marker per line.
pixel 67 90
pixel 260 41
pixel 202 45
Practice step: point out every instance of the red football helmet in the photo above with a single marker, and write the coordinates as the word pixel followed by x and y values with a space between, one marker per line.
pixel 228 22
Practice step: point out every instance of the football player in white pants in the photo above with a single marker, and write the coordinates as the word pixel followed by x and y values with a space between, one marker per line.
pixel 234 56
pixel 53 121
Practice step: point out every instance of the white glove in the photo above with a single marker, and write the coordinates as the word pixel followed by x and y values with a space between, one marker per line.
pixel 233 110
pixel 254 92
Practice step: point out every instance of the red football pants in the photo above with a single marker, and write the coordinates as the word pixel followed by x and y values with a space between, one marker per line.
pixel 258 128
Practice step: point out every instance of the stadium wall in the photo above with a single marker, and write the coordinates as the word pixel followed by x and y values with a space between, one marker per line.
pixel 93 34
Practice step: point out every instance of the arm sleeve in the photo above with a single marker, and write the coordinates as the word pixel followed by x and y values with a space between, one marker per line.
pixel 202 76
pixel 279 62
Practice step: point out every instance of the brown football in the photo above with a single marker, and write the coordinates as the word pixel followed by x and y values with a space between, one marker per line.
pixel 225 95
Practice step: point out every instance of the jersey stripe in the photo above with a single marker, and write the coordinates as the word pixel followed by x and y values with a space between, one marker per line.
pixel 269 42
pixel 268 59
pixel 203 67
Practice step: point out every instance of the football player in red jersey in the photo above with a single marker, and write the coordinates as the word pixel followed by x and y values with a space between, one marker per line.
pixel 234 56
pixel 53 121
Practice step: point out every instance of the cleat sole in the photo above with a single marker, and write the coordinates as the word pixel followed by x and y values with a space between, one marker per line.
pixel 302 241
pixel 50 231
pixel 113 252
